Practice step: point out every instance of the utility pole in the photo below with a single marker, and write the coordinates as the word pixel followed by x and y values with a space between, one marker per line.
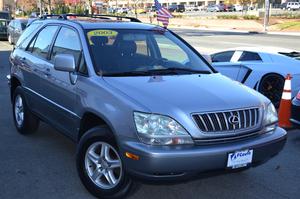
pixel 267 15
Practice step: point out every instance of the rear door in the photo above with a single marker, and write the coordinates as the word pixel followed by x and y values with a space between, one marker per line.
pixel 35 62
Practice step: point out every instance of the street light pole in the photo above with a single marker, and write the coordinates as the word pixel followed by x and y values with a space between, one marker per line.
pixel 267 15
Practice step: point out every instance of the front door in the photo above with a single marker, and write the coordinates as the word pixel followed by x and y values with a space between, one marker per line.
pixel 57 86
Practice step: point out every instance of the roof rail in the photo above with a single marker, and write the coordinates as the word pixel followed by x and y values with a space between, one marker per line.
pixel 132 19
pixel 65 17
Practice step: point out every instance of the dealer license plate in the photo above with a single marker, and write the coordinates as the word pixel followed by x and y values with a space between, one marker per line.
pixel 239 159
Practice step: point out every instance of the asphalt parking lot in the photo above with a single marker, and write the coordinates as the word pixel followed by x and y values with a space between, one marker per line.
pixel 42 165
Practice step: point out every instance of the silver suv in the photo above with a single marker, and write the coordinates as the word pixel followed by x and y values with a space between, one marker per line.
pixel 139 101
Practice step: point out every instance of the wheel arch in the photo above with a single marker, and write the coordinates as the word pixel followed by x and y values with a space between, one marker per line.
pixel 14 83
pixel 265 75
pixel 90 120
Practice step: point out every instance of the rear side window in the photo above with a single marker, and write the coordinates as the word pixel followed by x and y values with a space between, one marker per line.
pixel 43 41
pixel 25 38
pixel 67 42
pixel 249 56
pixel 222 57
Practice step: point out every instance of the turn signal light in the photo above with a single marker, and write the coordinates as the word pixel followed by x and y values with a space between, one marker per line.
pixel 132 156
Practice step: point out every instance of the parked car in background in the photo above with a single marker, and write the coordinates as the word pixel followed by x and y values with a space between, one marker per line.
pixel 263 69
pixel 237 8
pixel 176 8
pixel 283 6
pixel 180 8
pixel 3 29
pixel 222 7
pixel 213 8
pixel 293 6
pixel 5 15
pixel 15 28
pixel 295 118
pixel 230 8
pixel 122 10
pixel 139 102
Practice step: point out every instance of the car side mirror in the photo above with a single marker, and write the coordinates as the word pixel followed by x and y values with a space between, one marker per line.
pixel 64 62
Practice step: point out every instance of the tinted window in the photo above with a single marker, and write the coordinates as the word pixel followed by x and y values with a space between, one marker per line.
pixel 67 42
pixel 249 56
pixel 25 38
pixel 222 57
pixel 43 41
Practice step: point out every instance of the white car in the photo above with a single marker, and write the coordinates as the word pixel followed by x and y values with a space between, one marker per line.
pixel 263 69
pixel 293 5
pixel 237 8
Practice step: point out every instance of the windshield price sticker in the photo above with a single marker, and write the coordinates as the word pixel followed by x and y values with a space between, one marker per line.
pixel 101 33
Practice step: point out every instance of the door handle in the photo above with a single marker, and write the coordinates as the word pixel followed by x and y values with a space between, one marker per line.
pixel 47 72
pixel 23 60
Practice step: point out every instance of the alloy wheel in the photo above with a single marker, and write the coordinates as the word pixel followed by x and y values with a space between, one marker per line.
pixel 19 110
pixel 103 165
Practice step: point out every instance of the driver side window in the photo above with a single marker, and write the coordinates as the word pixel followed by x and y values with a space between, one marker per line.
pixel 170 51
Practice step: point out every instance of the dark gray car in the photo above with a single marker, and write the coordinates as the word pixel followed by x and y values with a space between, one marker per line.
pixel 15 28
pixel 139 101
pixel 3 29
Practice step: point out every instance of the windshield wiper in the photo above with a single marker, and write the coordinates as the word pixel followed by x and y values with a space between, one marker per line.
pixel 179 71
pixel 128 73
pixel 165 71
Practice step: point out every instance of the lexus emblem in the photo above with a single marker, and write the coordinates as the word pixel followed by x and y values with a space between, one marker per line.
pixel 234 120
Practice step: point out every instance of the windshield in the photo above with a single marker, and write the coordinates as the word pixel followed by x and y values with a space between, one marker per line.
pixel 142 52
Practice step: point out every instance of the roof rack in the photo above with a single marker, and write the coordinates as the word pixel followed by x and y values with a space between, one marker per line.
pixel 65 17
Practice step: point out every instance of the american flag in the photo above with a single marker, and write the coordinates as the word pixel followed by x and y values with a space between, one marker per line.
pixel 163 14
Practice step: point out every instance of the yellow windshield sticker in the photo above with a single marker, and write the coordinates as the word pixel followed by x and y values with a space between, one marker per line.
pixel 101 33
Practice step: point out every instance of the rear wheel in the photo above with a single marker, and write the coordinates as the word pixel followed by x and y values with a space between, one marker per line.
pixel 272 86
pixel 100 167
pixel 24 120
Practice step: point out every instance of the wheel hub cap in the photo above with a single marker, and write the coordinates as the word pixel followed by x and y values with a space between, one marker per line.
pixel 19 110
pixel 103 165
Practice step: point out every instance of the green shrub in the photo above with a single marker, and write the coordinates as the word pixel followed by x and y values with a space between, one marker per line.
pixel 227 17
pixel 250 17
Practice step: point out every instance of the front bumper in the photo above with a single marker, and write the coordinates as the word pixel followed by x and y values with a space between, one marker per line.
pixel 177 162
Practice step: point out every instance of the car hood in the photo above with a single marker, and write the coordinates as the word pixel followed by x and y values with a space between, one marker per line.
pixel 187 93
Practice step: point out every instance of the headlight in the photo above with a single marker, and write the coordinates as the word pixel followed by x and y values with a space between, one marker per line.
pixel 160 130
pixel 270 117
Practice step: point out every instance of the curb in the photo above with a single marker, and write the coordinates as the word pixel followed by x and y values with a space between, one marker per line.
pixel 239 31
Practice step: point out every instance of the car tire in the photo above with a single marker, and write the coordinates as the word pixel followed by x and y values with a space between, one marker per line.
pixel 95 171
pixel 25 121
pixel 271 86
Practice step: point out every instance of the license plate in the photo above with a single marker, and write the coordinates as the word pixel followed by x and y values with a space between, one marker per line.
pixel 239 159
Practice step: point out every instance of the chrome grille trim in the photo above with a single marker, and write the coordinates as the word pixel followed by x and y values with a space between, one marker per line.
pixel 218 122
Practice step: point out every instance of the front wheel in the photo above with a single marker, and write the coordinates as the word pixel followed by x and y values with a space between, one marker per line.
pixel 271 86
pixel 101 169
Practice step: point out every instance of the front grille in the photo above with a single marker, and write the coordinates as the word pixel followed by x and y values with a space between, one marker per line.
pixel 235 120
